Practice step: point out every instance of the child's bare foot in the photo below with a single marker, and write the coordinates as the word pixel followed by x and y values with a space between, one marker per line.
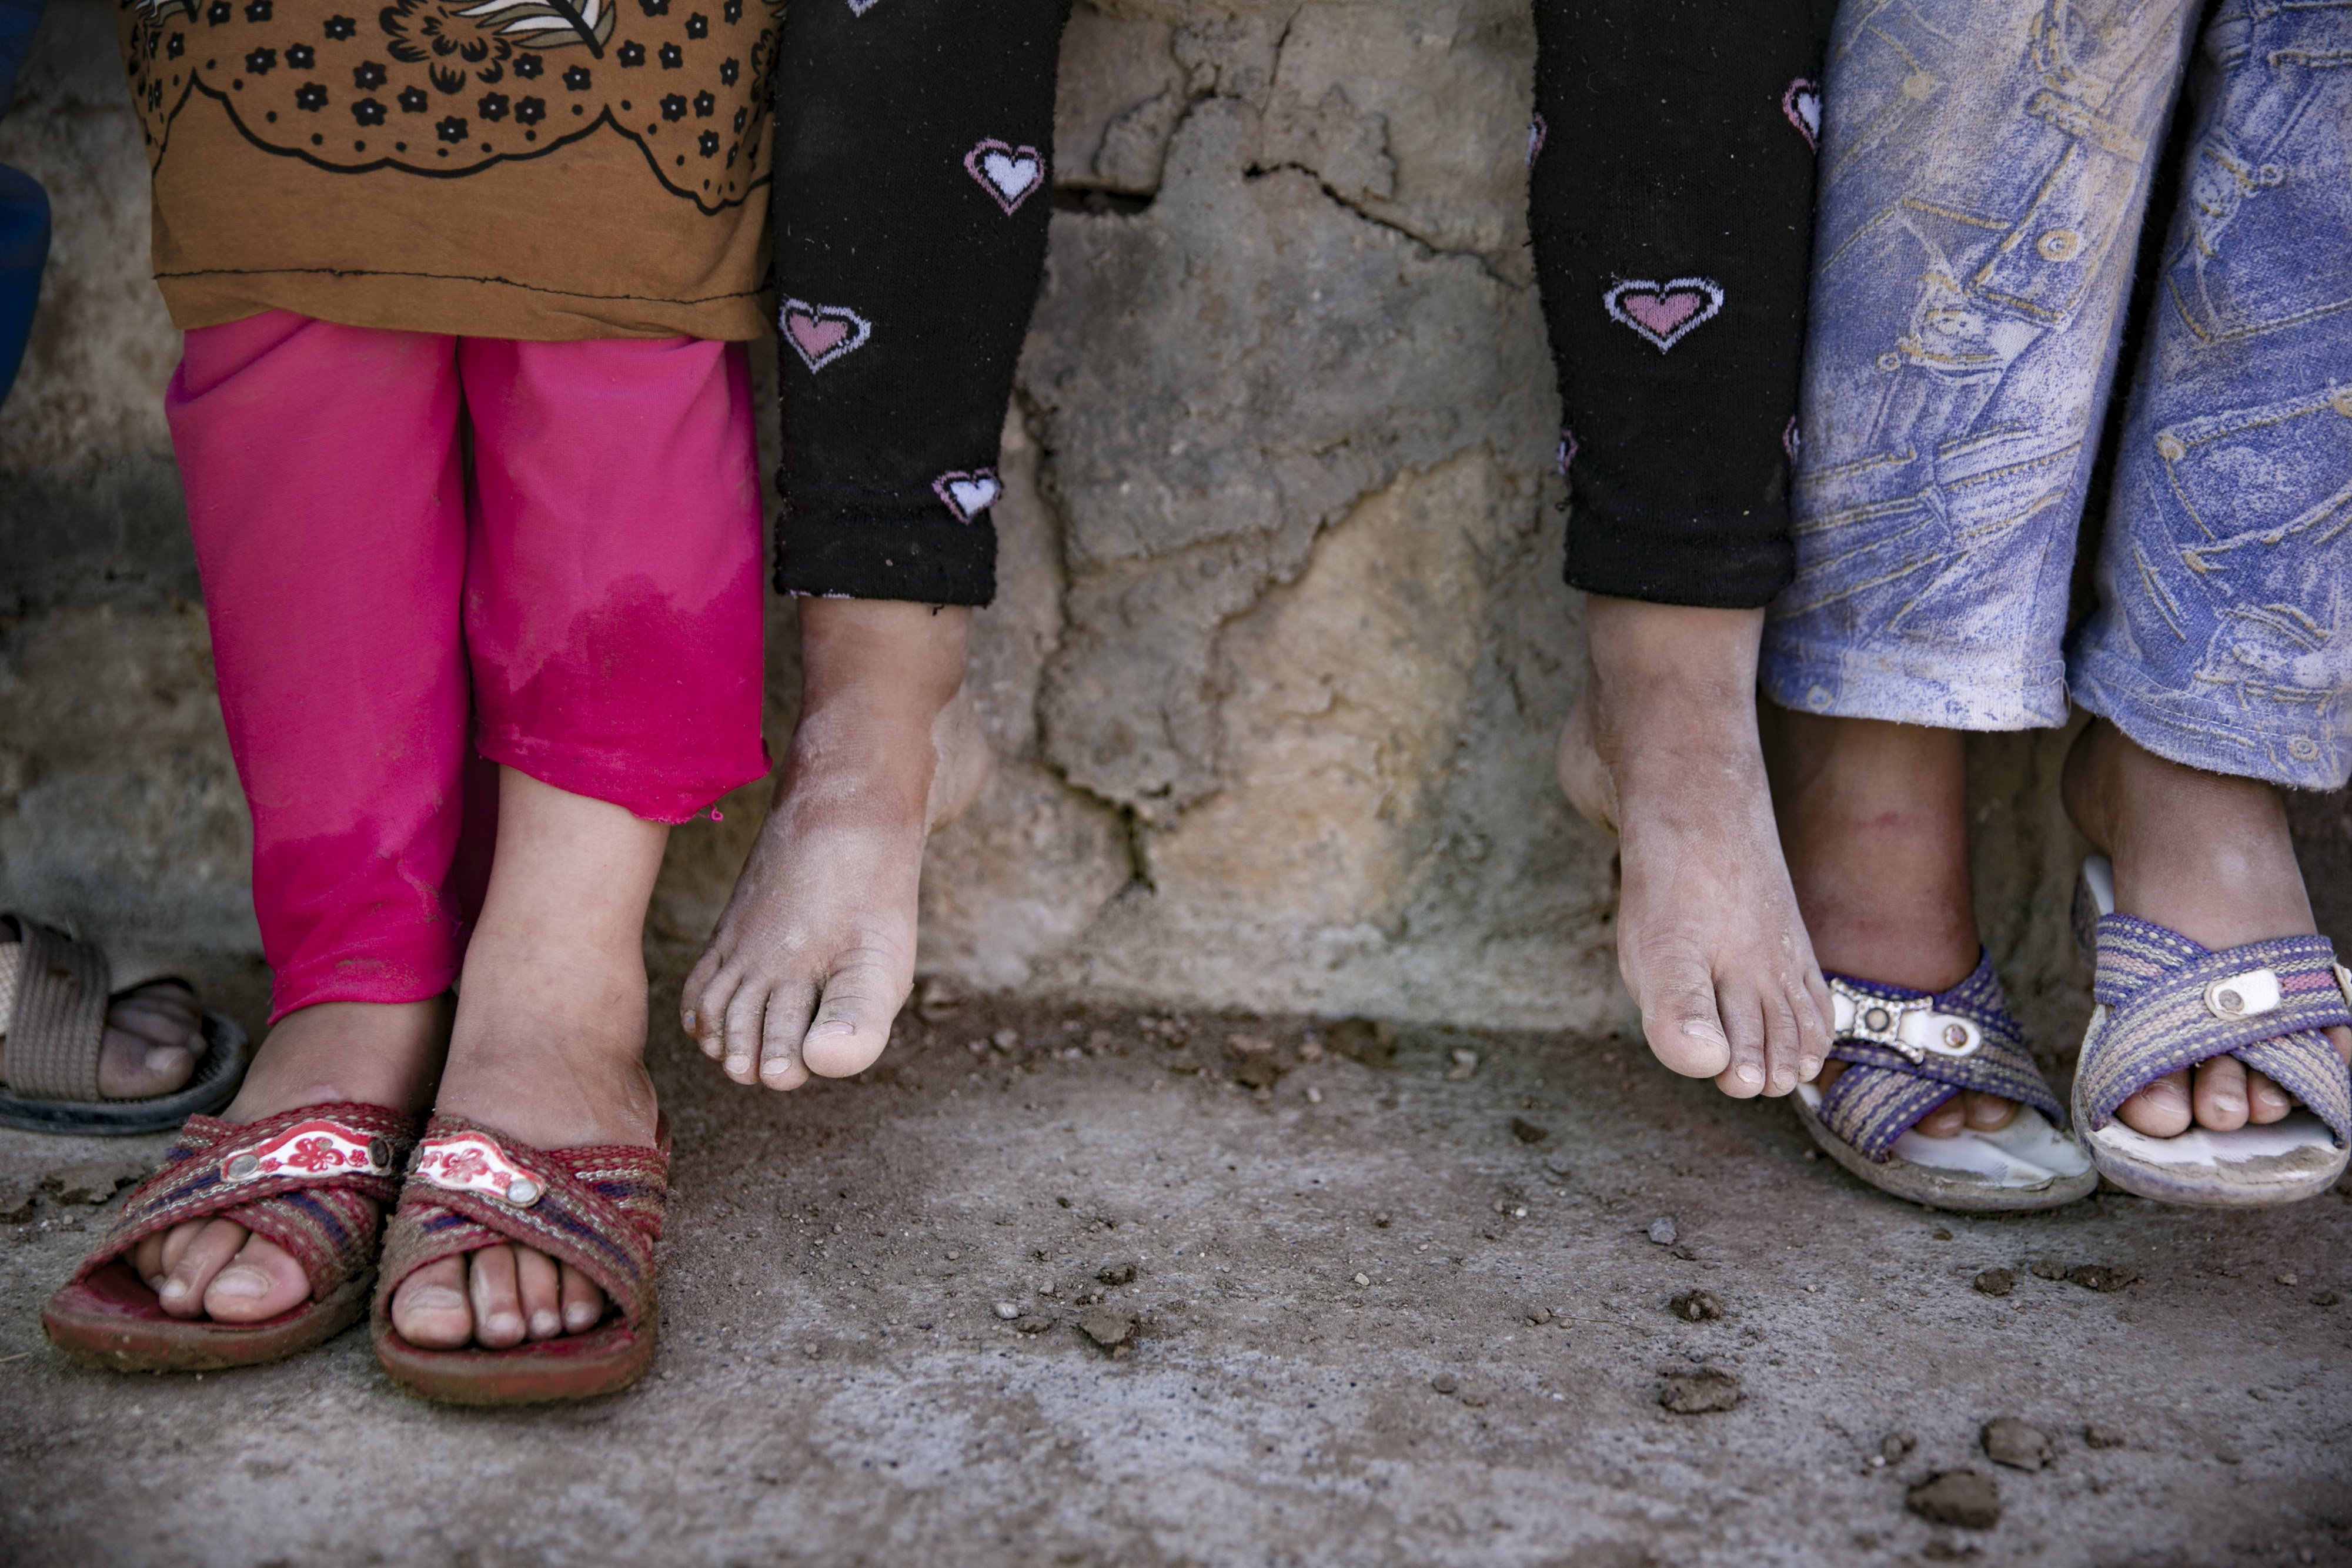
pixel 2208 855
pixel 154 1034
pixel 1874 818
pixel 1663 748
pixel 547 1047
pixel 379 1054
pixel 816 951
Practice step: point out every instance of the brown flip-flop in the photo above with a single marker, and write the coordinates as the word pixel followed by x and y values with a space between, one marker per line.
pixel 598 1208
pixel 53 994
pixel 315 1180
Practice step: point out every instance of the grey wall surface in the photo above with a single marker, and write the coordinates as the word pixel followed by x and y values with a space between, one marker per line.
pixel 1282 644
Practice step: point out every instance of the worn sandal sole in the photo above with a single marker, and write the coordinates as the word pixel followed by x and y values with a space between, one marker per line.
pixel 111 1321
pixel 1961 1189
pixel 572 1366
pixel 2253 1167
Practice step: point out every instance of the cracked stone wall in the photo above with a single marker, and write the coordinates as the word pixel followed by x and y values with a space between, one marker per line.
pixel 1281 646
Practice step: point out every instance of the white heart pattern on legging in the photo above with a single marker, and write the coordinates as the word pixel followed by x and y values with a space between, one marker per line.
pixel 1665 313
pixel 968 494
pixel 1011 175
pixel 821 334
pixel 1802 104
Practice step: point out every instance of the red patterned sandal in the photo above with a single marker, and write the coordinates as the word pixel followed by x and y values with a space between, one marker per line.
pixel 314 1179
pixel 598 1208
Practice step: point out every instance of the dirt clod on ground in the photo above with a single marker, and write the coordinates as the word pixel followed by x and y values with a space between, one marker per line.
pixel 94 1181
pixel 1662 1231
pixel 1107 1326
pixel 2100 1277
pixel 1897 1446
pixel 2099 1436
pixel 16 1202
pixel 1961 1498
pixel 1700 1393
pixel 1259 1073
pixel 2010 1441
pixel 1443 1382
pixel 1996 1282
pixel 1115 1273
pixel 2049 1267
pixel 1696 1306
pixel 1374 1044
pixel 1033 1322
pixel 1527 1132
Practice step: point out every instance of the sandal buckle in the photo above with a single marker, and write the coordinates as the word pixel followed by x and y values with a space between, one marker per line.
pixel 1914 1029
pixel 312 1148
pixel 469 1162
pixel 2249 994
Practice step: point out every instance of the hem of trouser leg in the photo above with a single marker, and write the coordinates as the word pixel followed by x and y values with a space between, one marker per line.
pixel 2233 750
pixel 1943 696
pixel 1723 572
pixel 287 997
pixel 598 779
pixel 923 560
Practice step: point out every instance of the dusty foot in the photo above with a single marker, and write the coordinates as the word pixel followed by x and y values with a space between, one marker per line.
pixel 814 953
pixel 1663 748
pixel 381 1055
pixel 2209 856
pixel 153 1035
pixel 548 1044
pixel 1874 819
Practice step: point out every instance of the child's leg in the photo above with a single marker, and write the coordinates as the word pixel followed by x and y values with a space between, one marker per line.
pixel 1670 202
pixel 613 618
pixel 324 493
pixel 1960 348
pixel 912 196
pixel 2217 657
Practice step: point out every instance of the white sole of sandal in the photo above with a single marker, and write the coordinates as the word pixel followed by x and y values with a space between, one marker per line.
pixel 2253 1167
pixel 2027 1164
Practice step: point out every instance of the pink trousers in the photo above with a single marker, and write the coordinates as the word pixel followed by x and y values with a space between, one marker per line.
pixel 420 553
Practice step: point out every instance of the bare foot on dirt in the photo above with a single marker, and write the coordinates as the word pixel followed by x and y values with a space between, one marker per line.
pixel 548 1044
pixel 381 1055
pixel 814 953
pixel 154 1034
pixel 1663 748
pixel 2209 855
pixel 1874 819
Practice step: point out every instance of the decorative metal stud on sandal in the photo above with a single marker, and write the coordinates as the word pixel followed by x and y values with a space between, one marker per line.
pixel 1909 1051
pixel 598 1208
pixel 2163 1002
pixel 315 1180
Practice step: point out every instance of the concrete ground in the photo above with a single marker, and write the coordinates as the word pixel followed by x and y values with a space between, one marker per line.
pixel 1334 1359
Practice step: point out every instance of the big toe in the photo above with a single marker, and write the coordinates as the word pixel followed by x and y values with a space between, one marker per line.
pixel 2160 1110
pixel 153 1039
pixel 853 1019
pixel 430 1308
pixel 262 1280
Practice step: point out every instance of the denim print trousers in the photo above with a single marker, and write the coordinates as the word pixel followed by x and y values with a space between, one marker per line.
pixel 1986 166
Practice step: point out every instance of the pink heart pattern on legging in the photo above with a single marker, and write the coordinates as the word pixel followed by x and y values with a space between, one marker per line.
pixel 820 334
pixel 1663 314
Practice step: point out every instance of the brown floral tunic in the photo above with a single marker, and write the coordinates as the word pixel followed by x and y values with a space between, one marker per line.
pixel 542 169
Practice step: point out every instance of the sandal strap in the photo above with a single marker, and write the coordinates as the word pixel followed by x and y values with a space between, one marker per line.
pixel 597 1208
pixel 58 1022
pixel 314 1179
pixel 1907 1051
pixel 2173 1003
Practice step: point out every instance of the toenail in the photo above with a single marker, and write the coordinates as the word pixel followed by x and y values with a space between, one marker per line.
pixel 545 1323
pixel 834 1028
pixel 163 1057
pixel 578 1318
pixel 242 1283
pixel 173 1288
pixel 1750 1074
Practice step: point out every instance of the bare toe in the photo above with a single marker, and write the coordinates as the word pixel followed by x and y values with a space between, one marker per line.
pixel 1988 1112
pixel 429 1308
pixel 1743 1026
pixel 862 995
pixel 1944 1121
pixel 541 1286
pixel 2217 1094
pixel 189 1269
pixel 262 1280
pixel 2265 1100
pixel 496 1301
pixel 583 1304
pixel 1680 1020
pixel 153 1039
pixel 2160 1110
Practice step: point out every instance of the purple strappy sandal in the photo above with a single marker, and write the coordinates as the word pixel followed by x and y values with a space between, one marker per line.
pixel 1909 1051
pixel 2163 1003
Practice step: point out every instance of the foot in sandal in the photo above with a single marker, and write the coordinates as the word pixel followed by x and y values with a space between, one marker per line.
pixel 2207 857
pixel 1945 1105
pixel 814 953
pixel 546 1055
pixel 154 1032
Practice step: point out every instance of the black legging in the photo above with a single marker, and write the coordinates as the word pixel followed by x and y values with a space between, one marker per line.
pixel 1670 200
pixel 913 194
